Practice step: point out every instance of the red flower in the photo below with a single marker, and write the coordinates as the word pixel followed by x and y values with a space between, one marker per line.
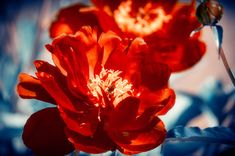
pixel 70 20
pixel 107 95
pixel 164 25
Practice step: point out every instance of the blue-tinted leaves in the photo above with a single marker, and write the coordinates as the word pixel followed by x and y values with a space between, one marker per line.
pixel 188 140
pixel 221 135
pixel 195 108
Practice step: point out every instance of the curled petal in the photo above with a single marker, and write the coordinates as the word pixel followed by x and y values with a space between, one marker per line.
pixel 137 48
pixel 136 141
pixel 77 115
pixel 53 88
pixel 123 52
pixel 105 18
pixel 109 42
pixel 155 75
pixel 59 78
pixel 83 121
pixel 30 87
pixel 98 143
pixel 162 100
pixel 82 46
pixel 123 114
pixel 44 133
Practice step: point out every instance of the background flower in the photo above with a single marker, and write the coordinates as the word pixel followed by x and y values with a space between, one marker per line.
pixel 158 22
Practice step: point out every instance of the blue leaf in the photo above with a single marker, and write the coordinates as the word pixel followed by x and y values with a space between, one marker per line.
pixel 182 140
pixel 221 135
pixel 195 108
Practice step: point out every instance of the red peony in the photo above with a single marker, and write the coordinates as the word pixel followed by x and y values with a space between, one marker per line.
pixel 164 25
pixel 107 94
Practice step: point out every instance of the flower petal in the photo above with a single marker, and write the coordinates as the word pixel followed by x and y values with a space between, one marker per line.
pixel 162 100
pixel 166 5
pixel 147 138
pixel 53 88
pixel 70 19
pixel 67 102
pixel 136 52
pixel 154 75
pixel 183 17
pixel 106 21
pixel 98 143
pixel 83 121
pixel 59 78
pixel 44 133
pixel 109 42
pixel 68 49
pixel 123 114
pixel 173 46
pixel 107 3
pixel 30 87
pixel 84 118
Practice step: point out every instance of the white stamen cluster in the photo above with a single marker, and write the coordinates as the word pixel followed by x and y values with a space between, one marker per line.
pixel 115 87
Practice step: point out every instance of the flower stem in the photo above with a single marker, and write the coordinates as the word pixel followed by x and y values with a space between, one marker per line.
pixel 226 65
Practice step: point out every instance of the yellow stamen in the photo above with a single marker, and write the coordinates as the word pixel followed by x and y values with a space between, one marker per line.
pixel 146 21
pixel 115 87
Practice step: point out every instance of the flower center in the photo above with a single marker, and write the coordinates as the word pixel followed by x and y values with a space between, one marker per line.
pixel 108 85
pixel 146 21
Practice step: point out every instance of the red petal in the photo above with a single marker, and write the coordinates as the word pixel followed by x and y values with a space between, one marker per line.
pixel 166 5
pixel 123 55
pixel 136 52
pixel 88 44
pixel 109 42
pixel 123 114
pixel 69 20
pixel 197 50
pixel 106 21
pixel 44 133
pixel 59 78
pixel 173 46
pixel 118 59
pixel 107 3
pixel 83 121
pixel 182 17
pixel 82 46
pixel 98 143
pixel 56 60
pixel 78 116
pixel 30 87
pixel 154 76
pixel 54 89
pixel 178 56
pixel 162 100
pixel 141 140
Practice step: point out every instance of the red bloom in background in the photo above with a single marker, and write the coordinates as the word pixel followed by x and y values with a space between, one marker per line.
pixel 164 25
pixel 70 20
pixel 108 96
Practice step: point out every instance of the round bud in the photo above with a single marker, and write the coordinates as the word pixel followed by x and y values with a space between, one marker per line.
pixel 209 12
